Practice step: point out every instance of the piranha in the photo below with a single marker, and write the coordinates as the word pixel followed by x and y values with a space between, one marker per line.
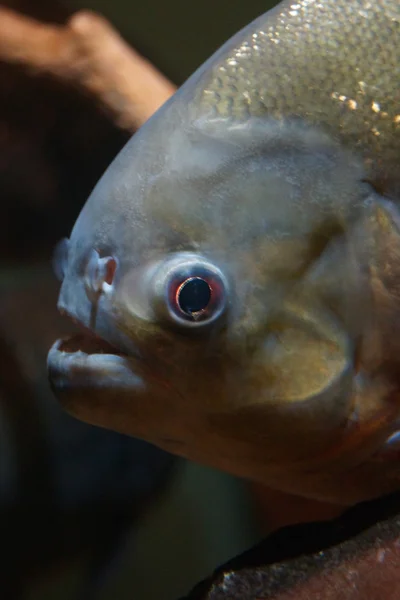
pixel 236 270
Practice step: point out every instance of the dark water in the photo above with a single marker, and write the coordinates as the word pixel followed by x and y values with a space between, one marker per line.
pixel 69 492
pixel 178 35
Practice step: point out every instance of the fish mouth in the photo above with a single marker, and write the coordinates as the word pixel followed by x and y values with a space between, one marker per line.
pixel 86 373
pixel 82 368
pixel 86 343
pixel 83 354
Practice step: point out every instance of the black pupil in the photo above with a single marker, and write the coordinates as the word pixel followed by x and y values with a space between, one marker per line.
pixel 194 295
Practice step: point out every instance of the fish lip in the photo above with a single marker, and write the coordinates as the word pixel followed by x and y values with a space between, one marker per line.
pixel 77 368
pixel 85 356
pixel 77 378
pixel 62 360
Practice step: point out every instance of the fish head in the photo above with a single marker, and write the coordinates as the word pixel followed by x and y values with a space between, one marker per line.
pixel 189 261
pixel 236 275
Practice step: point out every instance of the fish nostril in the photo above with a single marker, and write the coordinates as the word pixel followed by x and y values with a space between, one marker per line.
pixel 60 258
pixel 110 268
pixel 99 271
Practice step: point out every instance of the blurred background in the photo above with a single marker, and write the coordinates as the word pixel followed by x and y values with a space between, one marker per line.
pixel 87 513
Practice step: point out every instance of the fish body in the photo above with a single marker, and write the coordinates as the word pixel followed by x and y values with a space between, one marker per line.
pixel 238 262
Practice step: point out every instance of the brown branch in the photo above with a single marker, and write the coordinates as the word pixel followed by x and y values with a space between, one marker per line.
pixel 88 53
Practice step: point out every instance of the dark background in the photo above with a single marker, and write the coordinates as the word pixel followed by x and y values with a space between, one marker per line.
pixel 85 513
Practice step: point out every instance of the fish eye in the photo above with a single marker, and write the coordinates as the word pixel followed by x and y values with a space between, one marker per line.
pixel 193 295
pixel 190 291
